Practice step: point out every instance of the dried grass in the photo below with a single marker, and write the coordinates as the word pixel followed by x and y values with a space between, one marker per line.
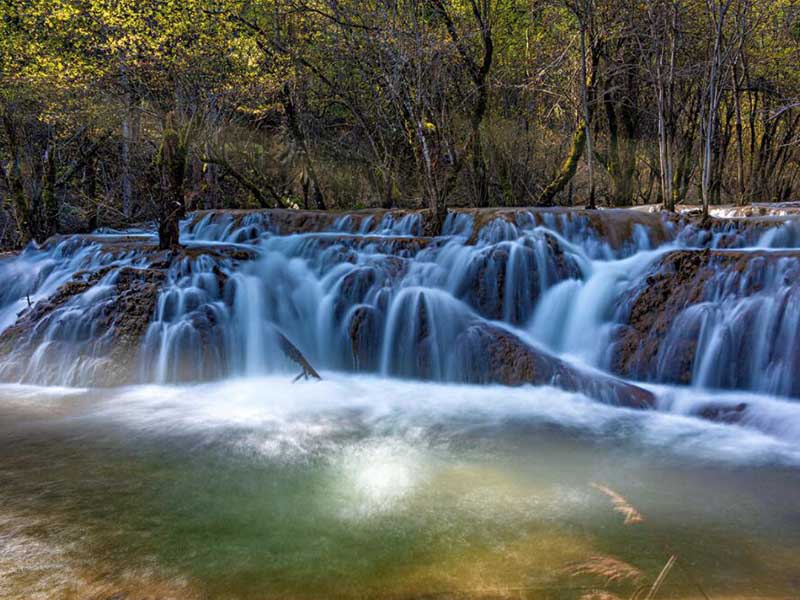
pixel 616 571
pixel 607 567
pixel 621 504
pixel 599 595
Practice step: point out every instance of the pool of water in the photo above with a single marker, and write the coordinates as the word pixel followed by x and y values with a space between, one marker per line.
pixel 377 488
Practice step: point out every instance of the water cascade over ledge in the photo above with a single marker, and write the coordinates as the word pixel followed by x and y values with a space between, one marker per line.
pixel 592 302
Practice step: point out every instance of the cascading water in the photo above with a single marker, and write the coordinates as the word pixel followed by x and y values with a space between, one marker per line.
pixel 369 293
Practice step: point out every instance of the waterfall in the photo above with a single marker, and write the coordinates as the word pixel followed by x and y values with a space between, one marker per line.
pixel 368 292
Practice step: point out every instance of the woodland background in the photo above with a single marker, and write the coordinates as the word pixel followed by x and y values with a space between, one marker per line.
pixel 124 112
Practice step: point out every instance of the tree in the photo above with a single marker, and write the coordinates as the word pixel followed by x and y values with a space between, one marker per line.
pixel 718 62
pixel 663 21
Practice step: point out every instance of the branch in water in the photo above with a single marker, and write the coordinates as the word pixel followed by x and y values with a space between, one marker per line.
pixel 293 353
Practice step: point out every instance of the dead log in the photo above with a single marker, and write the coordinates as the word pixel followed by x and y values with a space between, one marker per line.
pixel 293 353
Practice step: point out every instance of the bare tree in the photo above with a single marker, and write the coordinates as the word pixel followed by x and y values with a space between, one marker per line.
pixel 584 11
pixel 718 62
pixel 479 72
pixel 663 17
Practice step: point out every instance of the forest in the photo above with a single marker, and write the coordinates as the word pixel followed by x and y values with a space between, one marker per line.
pixel 123 112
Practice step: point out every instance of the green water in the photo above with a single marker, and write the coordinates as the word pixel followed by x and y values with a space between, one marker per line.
pixel 214 493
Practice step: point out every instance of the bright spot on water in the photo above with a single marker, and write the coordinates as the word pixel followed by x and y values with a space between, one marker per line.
pixel 379 476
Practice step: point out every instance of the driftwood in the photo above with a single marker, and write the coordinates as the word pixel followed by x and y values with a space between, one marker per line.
pixel 293 353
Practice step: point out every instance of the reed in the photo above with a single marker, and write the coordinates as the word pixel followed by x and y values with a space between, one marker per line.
pixel 618 572
pixel 621 504
pixel 613 570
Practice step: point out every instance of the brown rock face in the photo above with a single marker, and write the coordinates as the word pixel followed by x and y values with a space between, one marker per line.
pixel 287 222
pixel 127 320
pixel 679 281
pixel 109 338
pixel 494 355
pixel 363 331
pixel 101 334
pixel 486 285
pixel 615 226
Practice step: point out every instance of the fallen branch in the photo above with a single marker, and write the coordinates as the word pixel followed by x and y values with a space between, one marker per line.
pixel 293 353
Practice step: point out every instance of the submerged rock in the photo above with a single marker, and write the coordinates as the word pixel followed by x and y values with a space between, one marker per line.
pixel 723 413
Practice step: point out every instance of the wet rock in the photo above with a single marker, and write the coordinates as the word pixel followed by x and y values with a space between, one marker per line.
pixel 364 335
pixel 689 291
pixel 758 209
pixel 91 330
pixel 353 289
pixel 617 227
pixel 103 335
pixel 163 259
pixel 404 247
pixel 506 280
pixel 723 413
pixel 493 355
pixel 287 221
pixel 677 282
pixel 127 319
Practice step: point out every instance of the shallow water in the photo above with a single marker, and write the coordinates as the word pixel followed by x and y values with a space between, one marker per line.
pixel 364 487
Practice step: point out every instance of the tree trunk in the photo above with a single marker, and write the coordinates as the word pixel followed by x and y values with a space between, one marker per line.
pixel 296 131
pixel 130 133
pixel 737 101
pixel 50 206
pixel 388 189
pixel 567 170
pixel 16 188
pixel 173 172
pixel 587 119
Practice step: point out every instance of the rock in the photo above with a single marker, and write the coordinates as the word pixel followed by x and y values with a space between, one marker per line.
pixel 507 279
pixel 364 334
pixel 660 336
pixel 615 226
pixel 103 335
pixel 95 324
pixel 287 221
pixel 723 413
pixel 493 355
pixel 678 281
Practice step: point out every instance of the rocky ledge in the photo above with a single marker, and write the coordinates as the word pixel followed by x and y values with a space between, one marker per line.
pixel 689 297
pixel 96 321
pixel 494 355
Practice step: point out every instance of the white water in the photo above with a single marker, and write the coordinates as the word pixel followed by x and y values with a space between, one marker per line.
pixel 370 296
pixel 280 421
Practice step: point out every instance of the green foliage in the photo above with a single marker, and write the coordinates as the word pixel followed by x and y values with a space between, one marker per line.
pixel 375 102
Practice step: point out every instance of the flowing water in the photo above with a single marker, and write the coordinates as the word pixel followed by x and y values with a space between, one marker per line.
pixel 215 476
